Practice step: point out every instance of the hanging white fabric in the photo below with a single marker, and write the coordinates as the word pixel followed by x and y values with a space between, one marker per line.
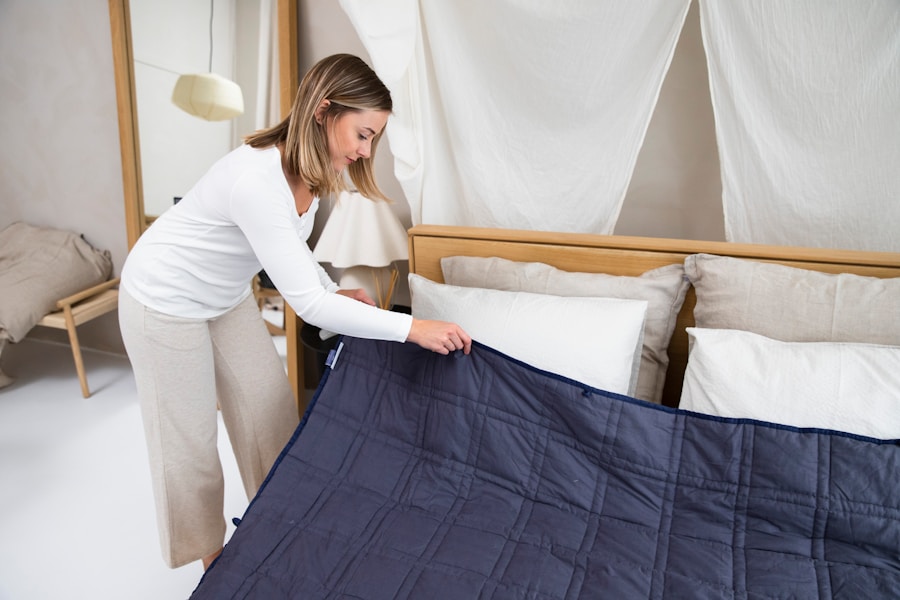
pixel 268 109
pixel 806 95
pixel 518 113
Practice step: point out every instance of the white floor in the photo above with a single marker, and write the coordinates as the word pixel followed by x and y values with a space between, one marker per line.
pixel 76 510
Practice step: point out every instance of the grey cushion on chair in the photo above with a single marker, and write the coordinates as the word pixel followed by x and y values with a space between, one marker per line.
pixel 38 266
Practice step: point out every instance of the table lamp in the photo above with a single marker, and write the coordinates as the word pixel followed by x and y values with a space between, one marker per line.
pixel 364 238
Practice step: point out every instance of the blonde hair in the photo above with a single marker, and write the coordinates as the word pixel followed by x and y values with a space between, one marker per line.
pixel 349 84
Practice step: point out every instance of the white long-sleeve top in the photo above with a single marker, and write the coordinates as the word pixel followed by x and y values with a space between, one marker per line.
pixel 198 258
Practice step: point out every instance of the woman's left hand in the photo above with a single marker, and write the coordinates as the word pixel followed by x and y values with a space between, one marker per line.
pixel 358 294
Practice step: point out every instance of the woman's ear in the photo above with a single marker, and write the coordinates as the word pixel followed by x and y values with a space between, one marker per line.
pixel 320 110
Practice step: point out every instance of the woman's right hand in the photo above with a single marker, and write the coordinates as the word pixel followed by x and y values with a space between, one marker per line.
pixel 439 336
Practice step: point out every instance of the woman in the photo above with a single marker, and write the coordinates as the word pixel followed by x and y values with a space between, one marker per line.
pixel 194 334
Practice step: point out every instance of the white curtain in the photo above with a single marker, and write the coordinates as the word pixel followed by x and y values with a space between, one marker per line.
pixel 268 111
pixel 523 114
pixel 256 70
pixel 806 95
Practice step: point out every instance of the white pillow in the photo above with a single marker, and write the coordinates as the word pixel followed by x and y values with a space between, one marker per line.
pixel 663 288
pixel 842 386
pixel 596 341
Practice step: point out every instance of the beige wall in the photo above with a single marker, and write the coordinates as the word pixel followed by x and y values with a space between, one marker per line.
pixel 676 190
pixel 60 164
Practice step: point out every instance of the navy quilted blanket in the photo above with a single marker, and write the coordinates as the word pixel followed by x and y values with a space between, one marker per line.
pixel 416 475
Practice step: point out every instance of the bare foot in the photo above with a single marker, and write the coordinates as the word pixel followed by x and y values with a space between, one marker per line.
pixel 208 560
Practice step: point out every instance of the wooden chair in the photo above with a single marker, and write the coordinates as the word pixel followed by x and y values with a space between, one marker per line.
pixel 80 308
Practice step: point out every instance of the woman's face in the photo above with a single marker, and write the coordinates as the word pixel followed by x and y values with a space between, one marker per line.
pixel 350 135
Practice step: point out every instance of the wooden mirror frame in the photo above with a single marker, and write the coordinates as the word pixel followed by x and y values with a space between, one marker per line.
pixel 129 141
pixel 126 102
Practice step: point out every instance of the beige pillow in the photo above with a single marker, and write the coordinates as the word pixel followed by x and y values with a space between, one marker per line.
pixel 663 289
pixel 791 304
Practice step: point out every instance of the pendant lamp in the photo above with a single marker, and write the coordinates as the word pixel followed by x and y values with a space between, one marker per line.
pixel 207 95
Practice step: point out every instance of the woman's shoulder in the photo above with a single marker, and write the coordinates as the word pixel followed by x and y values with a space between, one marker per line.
pixel 246 161
pixel 247 153
pixel 255 174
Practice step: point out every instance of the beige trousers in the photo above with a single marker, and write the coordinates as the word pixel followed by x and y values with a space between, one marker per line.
pixel 182 368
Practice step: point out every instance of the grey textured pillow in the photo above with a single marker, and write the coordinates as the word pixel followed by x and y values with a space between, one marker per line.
pixel 40 265
pixel 664 290
pixel 791 304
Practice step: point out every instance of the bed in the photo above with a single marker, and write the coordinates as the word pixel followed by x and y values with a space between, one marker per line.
pixel 758 459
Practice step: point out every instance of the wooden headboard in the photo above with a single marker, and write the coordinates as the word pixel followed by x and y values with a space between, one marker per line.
pixel 623 255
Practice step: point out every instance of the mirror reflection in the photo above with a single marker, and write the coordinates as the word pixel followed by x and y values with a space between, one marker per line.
pixel 235 39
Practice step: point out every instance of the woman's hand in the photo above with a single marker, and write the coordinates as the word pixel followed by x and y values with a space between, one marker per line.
pixel 357 294
pixel 439 336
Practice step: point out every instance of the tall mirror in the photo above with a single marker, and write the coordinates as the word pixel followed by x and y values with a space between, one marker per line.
pixel 150 186
pixel 165 150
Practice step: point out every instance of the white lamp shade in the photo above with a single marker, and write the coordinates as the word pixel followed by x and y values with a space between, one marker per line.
pixel 361 232
pixel 208 96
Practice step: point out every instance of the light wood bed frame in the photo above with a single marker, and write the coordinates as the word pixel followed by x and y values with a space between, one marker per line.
pixel 622 255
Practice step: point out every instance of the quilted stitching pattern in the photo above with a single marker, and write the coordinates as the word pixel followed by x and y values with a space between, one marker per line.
pixel 420 476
